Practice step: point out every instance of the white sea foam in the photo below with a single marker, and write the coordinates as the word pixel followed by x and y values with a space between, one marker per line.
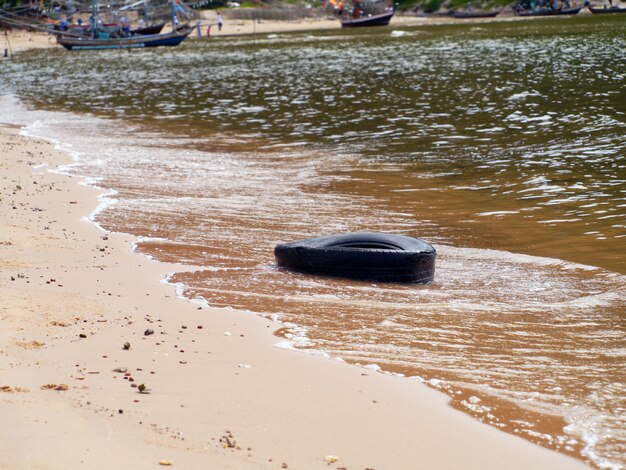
pixel 496 213
pixel 397 33
pixel 585 424
pixel 523 95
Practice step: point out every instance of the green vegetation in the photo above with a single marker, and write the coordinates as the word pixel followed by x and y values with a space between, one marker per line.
pixel 431 5
pixel 435 5
pixel 10 4
pixel 405 4
pixel 401 5
pixel 482 5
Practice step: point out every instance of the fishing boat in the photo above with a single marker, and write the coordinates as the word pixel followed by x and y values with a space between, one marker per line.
pixel 611 9
pixel 118 35
pixel 105 41
pixel 550 12
pixel 474 14
pixel 381 19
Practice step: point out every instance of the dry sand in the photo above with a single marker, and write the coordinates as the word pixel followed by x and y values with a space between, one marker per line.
pixel 20 40
pixel 221 395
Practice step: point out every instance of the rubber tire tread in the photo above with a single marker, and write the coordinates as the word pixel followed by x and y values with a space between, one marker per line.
pixel 403 259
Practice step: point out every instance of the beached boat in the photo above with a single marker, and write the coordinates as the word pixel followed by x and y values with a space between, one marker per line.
pixel 607 10
pixel 115 36
pixel 550 12
pixel 381 19
pixel 104 41
pixel 114 30
pixel 474 14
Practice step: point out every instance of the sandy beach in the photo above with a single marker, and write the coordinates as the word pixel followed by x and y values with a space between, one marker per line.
pixel 20 40
pixel 102 364
pixel 87 325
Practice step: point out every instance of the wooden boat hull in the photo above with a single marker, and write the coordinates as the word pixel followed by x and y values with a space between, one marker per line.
pixel 381 19
pixel 154 29
pixel 173 38
pixel 607 10
pixel 568 11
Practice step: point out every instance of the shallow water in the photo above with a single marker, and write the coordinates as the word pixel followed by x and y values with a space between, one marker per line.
pixel 502 144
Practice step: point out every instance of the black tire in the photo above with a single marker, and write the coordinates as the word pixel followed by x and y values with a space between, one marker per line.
pixel 367 256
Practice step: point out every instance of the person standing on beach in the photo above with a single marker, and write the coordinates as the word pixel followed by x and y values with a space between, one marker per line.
pixel 219 21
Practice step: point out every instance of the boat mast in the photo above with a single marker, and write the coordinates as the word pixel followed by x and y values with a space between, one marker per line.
pixel 145 12
pixel 94 13
pixel 70 11
pixel 174 19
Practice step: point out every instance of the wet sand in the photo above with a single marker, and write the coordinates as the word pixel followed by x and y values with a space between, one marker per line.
pixel 219 393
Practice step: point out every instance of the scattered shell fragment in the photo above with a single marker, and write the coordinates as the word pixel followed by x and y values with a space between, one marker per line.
pixel 59 387
pixel 120 369
pixel 166 463
pixel 30 344
pixel 9 389
pixel 330 459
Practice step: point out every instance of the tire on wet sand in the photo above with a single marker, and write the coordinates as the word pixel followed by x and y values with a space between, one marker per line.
pixel 365 255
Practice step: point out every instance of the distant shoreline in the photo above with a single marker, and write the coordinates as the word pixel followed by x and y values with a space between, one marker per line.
pixel 22 40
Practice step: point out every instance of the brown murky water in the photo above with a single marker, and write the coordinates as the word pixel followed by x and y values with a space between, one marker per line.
pixel 504 147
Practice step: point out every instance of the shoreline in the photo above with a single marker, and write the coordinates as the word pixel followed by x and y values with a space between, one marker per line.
pixel 221 392
pixel 22 40
pixel 236 27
